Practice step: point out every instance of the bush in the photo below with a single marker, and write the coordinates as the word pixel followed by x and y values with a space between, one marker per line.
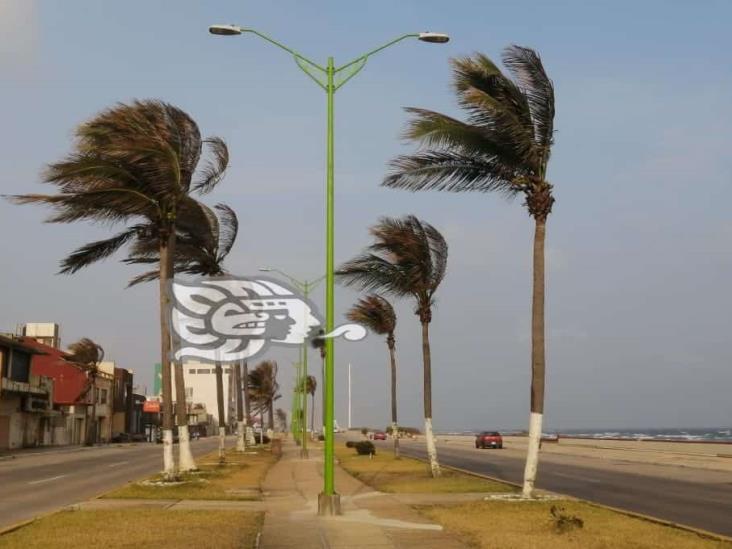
pixel 564 522
pixel 365 448
pixel 350 443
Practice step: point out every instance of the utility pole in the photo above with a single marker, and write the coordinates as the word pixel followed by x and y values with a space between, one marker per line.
pixel 349 396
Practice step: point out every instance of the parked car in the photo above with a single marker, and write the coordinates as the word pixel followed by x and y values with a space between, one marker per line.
pixel 379 435
pixel 489 439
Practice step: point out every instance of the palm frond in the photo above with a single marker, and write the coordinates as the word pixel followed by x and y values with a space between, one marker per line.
pixel 526 67
pixel 374 312
pixel 214 168
pixel 96 251
pixel 228 229
pixel 450 171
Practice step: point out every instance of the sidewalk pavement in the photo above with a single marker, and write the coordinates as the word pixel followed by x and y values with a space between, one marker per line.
pixel 370 519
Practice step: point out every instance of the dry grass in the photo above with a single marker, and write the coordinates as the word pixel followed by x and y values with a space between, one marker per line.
pixel 239 479
pixel 138 528
pixel 407 475
pixel 528 525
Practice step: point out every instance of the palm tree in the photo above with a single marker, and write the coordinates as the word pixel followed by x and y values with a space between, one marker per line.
pixel 87 354
pixel 264 388
pixel 241 444
pixel 249 433
pixel 504 146
pixel 202 244
pixel 377 314
pixel 318 342
pixel 311 385
pixel 408 258
pixel 136 164
pixel 282 419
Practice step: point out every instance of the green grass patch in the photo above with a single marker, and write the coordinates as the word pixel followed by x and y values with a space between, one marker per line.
pixel 239 479
pixel 529 524
pixel 406 475
pixel 136 527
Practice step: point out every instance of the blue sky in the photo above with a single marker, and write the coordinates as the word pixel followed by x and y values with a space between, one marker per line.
pixel 638 245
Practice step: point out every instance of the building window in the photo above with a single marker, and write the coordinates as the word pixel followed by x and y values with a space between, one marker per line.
pixel 103 396
pixel 204 371
pixel 192 371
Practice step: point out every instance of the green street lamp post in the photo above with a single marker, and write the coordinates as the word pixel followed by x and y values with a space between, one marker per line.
pixel 305 287
pixel 330 78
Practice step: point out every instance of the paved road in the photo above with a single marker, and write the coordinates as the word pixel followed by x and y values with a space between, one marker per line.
pixel 36 483
pixel 702 500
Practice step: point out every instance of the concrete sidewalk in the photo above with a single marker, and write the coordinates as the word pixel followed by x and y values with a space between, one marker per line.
pixel 370 518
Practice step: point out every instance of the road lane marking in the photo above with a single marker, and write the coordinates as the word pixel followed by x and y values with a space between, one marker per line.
pixel 117 463
pixel 575 477
pixel 47 479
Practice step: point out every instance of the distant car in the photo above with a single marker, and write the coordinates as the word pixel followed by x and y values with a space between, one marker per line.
pixel 489 439
pixel 379 435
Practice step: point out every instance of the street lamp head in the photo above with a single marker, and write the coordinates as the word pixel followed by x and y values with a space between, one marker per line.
pixel 434 37
pixel 266 269
pixel 225 30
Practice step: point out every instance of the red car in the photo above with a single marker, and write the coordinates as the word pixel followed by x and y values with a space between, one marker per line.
pixel 489 439
pixel 379 435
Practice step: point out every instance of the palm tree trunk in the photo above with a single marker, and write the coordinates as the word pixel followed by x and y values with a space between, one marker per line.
pixel 270 413
pixel 185 456
pixel 538 362
pixel 220 406
pixel 312 414
pixel 247 405
pixel 241 444
pixel 394 428
pixel 427 365
pixel 91 429
pixel 167 246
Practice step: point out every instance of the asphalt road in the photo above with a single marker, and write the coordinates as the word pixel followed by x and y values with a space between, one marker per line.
pixel 39 482
pixel 703 499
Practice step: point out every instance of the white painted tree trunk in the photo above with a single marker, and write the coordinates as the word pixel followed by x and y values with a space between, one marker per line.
pixel 532 455
pixel 241 444
pixel 222 442
pixel 185 456
pixel 250 436
pixel 431 448
pixel 395 434
pixel 168 461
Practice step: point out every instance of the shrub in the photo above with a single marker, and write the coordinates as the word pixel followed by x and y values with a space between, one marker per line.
pixel 365 448
pixel 564 522
pixel 350 443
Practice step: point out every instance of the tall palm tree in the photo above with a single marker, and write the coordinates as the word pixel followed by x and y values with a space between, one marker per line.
pixel 318 342
pixel 408 258
pixel 136 164
pixel 241 443
pixel 503 146
pixel 377 314
pixel 202 244
pixel 87 354
pixel 249 432
pixel 264 388
pixel 311 385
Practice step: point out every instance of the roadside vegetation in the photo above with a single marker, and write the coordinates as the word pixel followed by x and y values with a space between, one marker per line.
pixel 529 524
pixel 386 473
pixel 138 527
pixel 238 479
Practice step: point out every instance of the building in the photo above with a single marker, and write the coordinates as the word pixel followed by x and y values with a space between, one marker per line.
pixel 200 382
pixel 25 398
pixel 43 332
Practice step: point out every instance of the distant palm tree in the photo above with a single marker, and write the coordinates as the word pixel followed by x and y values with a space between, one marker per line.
pixel 377 314
pixel 136 164
pixel 408 258
pixel 87 354
pixel 318 342
pixel 202 244
pixel 281 419
pixel 311 385
pixel 264 388
pixel 504 146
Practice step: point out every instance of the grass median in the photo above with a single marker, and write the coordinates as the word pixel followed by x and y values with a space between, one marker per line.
pixel 239 479
pixel 406 475
pixel 136 527
pixel 530 524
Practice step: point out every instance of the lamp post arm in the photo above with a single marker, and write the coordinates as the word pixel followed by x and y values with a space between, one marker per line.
pixel 283 47
pixel 362 58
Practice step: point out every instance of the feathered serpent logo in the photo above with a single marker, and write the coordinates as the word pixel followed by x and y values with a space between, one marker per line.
pixel 231 319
